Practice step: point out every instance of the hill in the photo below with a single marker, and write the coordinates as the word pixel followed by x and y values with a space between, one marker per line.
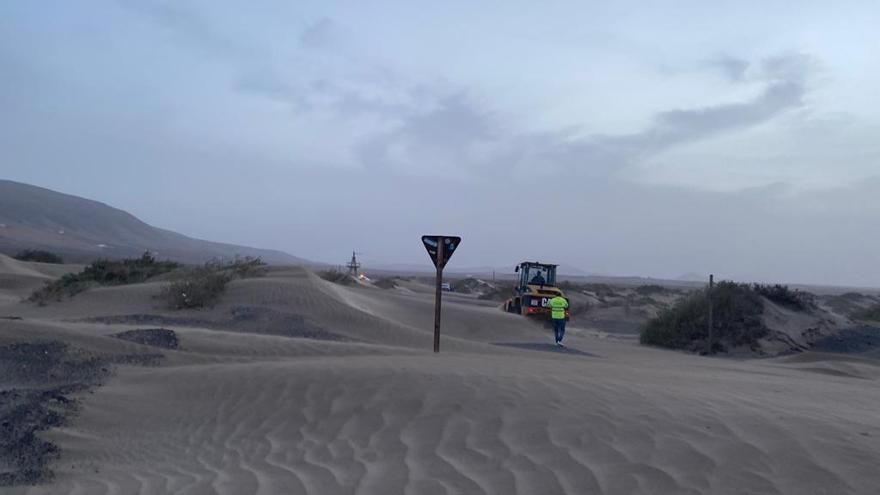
pixel 81 229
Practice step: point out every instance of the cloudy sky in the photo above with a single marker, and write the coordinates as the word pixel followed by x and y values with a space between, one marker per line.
pixel 631 138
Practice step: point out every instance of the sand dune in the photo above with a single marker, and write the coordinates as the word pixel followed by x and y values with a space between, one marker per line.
pixel 19 278
pixel 236 410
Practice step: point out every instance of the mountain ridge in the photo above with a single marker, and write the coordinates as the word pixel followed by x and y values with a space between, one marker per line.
pixel 82 229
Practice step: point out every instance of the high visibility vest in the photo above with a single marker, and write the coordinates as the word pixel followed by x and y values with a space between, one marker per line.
pixel 557 307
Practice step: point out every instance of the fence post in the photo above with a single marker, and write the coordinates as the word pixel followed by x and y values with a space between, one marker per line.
pixel 710 345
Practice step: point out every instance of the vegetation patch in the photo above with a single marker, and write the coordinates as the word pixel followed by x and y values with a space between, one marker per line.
pixel 651 289
pixel 103 272
pixel 601 290
pixel 201 286
pixel 499 292
pixel 39 256
pixel 871 314
pixel 783 296
pixel 737 320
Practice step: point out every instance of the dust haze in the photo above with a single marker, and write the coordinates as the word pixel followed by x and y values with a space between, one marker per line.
pixel 745 148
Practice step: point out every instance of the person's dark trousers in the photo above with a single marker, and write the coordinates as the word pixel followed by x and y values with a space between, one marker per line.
pixel 559 328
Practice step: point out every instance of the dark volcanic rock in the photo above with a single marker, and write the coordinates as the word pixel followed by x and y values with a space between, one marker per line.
pixel 35 379
pixel 47 364
pixel 856 340
pixel 156 337
pixel 250 319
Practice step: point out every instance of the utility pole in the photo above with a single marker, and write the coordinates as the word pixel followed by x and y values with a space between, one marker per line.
pixel 353 265
pixel 710 346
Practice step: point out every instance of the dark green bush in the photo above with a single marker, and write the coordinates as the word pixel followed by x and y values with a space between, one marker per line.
pixel 103 272
pixel 737 320
pixel 241 266
pixel 782 295
pixel 872 313
pixel 202 286
pixel 38 255
pixel 849 304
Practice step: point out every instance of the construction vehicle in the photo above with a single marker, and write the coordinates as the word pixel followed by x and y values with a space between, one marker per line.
pixel 535 286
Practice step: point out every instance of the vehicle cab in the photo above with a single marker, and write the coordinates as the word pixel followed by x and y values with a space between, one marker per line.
pixel 536 285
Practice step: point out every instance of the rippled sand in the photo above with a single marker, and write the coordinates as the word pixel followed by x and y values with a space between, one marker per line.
pixel 233 412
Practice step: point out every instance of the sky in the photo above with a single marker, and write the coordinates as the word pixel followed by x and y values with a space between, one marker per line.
pixel 622 138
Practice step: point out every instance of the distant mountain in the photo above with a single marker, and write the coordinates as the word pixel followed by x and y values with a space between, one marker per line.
pixel 692 277
pixel 81 229
pixel 476 271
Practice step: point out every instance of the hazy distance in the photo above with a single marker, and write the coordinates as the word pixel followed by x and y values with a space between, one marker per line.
pixel 626 139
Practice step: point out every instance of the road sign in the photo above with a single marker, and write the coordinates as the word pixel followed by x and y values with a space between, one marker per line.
pixel 440 249
pixel 432 242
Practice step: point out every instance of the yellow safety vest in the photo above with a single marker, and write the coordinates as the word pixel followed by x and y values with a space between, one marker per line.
pixel 557 307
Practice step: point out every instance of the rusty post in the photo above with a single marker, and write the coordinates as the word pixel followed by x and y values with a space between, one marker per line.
pixel 710 345
pixel 438 295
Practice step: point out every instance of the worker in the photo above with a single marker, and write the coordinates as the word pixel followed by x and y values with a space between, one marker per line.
pixel 558 305
pixel 538 280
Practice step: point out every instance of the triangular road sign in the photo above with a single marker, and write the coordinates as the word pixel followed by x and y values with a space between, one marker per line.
pixel 432 243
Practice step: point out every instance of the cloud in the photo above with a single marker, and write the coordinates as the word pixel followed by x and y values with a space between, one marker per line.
pixel 733 68
pixel 456 133
pixel 188 23
pixel 318 34
pixel 453 130
pixel 434 129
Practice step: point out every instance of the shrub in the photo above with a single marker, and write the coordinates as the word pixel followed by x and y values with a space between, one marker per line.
pixel 103 272
pixel 566 285
pixel 782 295
pixel 647 290
pixel 737 320
pixel 853 296
pixel 202 286
pixel 242 266
pixel 500 292
pixel 38 255
pixel 601 290
pixel 127 271
pixel 872 313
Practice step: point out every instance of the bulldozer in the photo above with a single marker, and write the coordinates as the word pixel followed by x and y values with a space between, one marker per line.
pixel 535 286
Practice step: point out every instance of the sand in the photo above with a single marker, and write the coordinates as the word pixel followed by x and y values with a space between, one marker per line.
pixel 233 410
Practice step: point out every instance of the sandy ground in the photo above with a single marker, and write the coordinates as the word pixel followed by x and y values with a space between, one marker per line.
pixel 234 410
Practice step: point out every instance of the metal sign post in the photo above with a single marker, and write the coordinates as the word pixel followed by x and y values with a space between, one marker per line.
pixel 438 294
pixel 440 249
pixel 711 341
